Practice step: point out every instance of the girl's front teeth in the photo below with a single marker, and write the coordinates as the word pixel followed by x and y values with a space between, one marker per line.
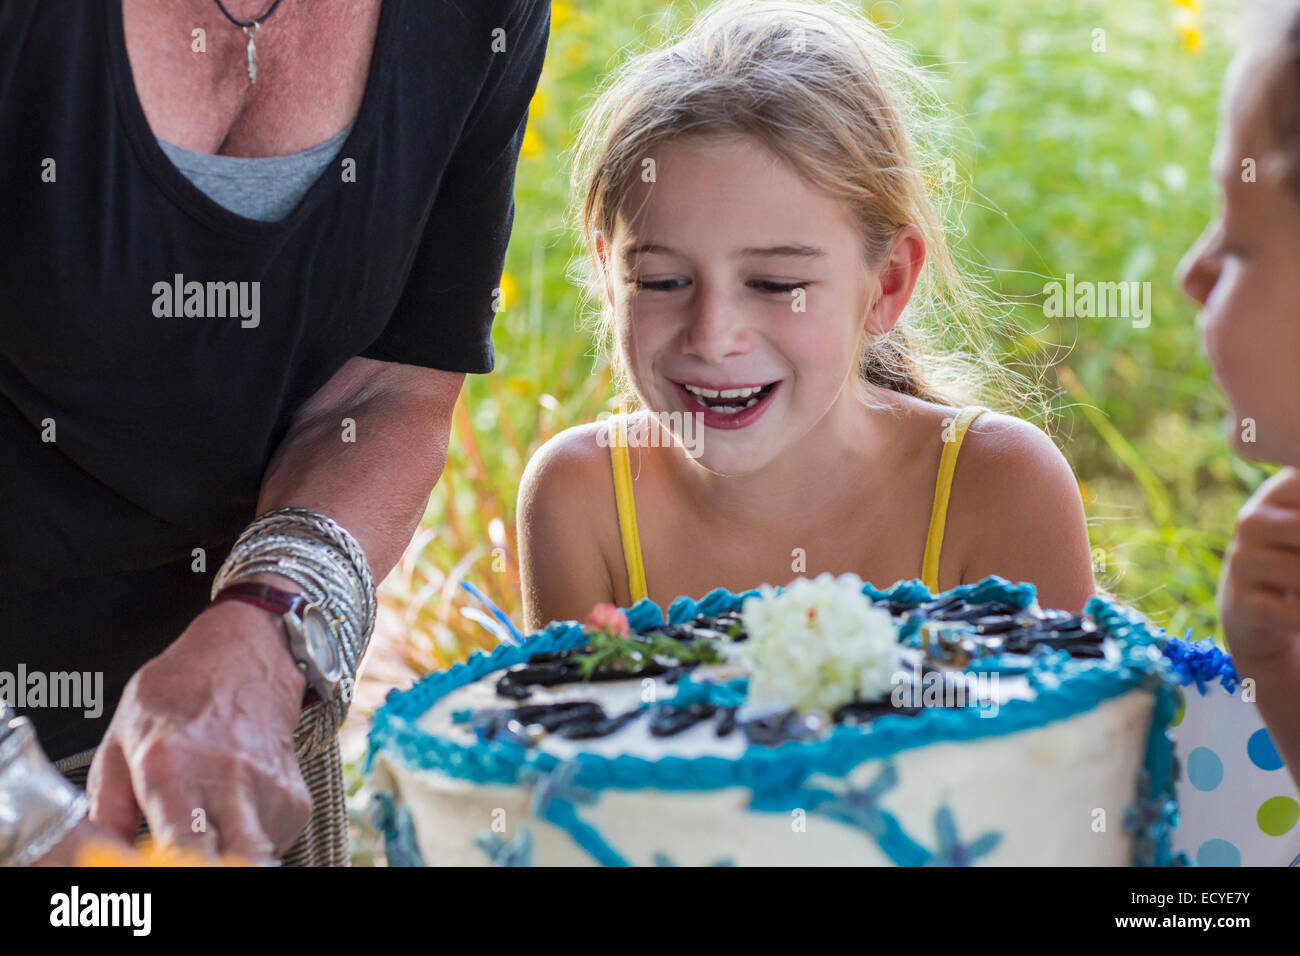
pixel 751 396
pixel 728 409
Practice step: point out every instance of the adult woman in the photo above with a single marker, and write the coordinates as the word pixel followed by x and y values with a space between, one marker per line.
pixel 327 190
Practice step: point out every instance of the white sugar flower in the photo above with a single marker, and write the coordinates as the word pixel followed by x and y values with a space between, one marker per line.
pixel 818 644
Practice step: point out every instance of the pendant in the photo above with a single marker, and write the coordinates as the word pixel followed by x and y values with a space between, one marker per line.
pixel 252 53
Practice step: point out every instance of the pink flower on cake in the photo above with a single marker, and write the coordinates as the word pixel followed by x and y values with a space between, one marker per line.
pixel 607 618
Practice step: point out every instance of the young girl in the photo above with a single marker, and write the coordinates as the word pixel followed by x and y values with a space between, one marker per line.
pixel 758 222
pixel 1243 272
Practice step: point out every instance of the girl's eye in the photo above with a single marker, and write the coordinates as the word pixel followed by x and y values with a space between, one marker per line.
pixel 658 285
pixel 777 288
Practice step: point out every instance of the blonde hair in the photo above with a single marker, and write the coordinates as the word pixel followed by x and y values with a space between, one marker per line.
pixel 825 90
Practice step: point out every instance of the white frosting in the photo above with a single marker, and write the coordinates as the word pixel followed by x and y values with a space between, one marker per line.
pixel 1056 794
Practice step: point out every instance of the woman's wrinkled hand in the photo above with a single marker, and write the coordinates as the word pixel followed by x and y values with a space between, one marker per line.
pixel 201 744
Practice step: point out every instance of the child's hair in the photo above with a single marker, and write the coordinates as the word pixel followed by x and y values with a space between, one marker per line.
pixel 826 91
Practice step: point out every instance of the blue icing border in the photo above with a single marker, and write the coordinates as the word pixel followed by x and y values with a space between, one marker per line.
pixel 774 773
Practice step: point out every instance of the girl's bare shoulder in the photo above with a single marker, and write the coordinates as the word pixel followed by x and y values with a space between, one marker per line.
pixel 1003 453
pixel 1016 511
pixel 569 469
pixel 567 526
pixel 993 441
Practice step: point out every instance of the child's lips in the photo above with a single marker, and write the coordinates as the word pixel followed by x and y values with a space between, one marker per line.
pixel 748 413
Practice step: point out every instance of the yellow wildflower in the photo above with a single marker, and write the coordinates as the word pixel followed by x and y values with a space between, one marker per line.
pixel 1188 26
pixel 532 144
pixel 1191 37
pixel 537 105
pixel 509 290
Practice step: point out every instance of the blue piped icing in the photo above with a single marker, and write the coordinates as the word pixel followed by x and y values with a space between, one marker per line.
pixel 394 822
pixel 776 775
pixel 516 852
pixel 1201 663
pixel 556 798
pixel 689 691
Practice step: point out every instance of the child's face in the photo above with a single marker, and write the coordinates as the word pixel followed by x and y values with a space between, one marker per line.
pixel 1245 272
pixel 733 273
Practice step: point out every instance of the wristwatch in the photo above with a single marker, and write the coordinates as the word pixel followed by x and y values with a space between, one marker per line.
pixel 312 641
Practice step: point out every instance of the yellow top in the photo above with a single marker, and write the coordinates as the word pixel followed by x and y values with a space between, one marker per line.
pixel 627 509
pixel 953 436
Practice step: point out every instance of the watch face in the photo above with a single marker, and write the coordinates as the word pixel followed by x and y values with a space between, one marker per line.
pixel 320 642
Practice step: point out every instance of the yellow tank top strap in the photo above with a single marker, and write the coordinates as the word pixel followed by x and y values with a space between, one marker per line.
pixel 942 488
pixel 626 508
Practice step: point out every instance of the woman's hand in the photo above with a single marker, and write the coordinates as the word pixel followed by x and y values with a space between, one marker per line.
pixel 1259 596
pixel 202 741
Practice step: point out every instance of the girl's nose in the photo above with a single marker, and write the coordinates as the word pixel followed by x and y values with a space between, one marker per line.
pixel 1200 268
pixel 717 328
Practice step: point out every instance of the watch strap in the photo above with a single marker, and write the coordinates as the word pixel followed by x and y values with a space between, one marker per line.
pixel 265 596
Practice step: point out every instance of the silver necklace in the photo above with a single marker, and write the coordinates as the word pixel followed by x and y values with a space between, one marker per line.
pixel 250 28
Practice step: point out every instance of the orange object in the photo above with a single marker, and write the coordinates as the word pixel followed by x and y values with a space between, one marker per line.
pixel 100 854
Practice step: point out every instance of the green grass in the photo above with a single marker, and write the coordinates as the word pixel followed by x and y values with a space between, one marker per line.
pixel 1083 162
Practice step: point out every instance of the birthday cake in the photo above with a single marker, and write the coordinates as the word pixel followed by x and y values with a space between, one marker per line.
pixel 824 723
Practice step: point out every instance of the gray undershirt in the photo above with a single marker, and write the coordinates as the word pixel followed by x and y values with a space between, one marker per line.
pixel 266 188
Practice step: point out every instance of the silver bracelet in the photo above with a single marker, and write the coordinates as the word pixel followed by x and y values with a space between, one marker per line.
pixel 310 558
pixel 38 807
pixel 319 556
pixel 292 527
pixel 321 549
pixel 300 521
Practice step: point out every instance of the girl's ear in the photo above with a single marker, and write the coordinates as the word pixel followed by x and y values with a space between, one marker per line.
pixel 892 286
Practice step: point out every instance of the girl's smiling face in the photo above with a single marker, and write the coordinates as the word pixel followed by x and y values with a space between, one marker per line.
pixel 741 294
pixel 1243 270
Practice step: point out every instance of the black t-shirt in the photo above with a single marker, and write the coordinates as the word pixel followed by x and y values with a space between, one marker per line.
pixel 164 342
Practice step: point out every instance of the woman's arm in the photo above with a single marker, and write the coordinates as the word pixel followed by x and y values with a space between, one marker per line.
pixel 377 485
pixel 565 490
pixel 1017 512
pixel 202 742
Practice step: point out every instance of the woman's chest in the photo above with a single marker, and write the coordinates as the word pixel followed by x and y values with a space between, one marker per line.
pixel 311 62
